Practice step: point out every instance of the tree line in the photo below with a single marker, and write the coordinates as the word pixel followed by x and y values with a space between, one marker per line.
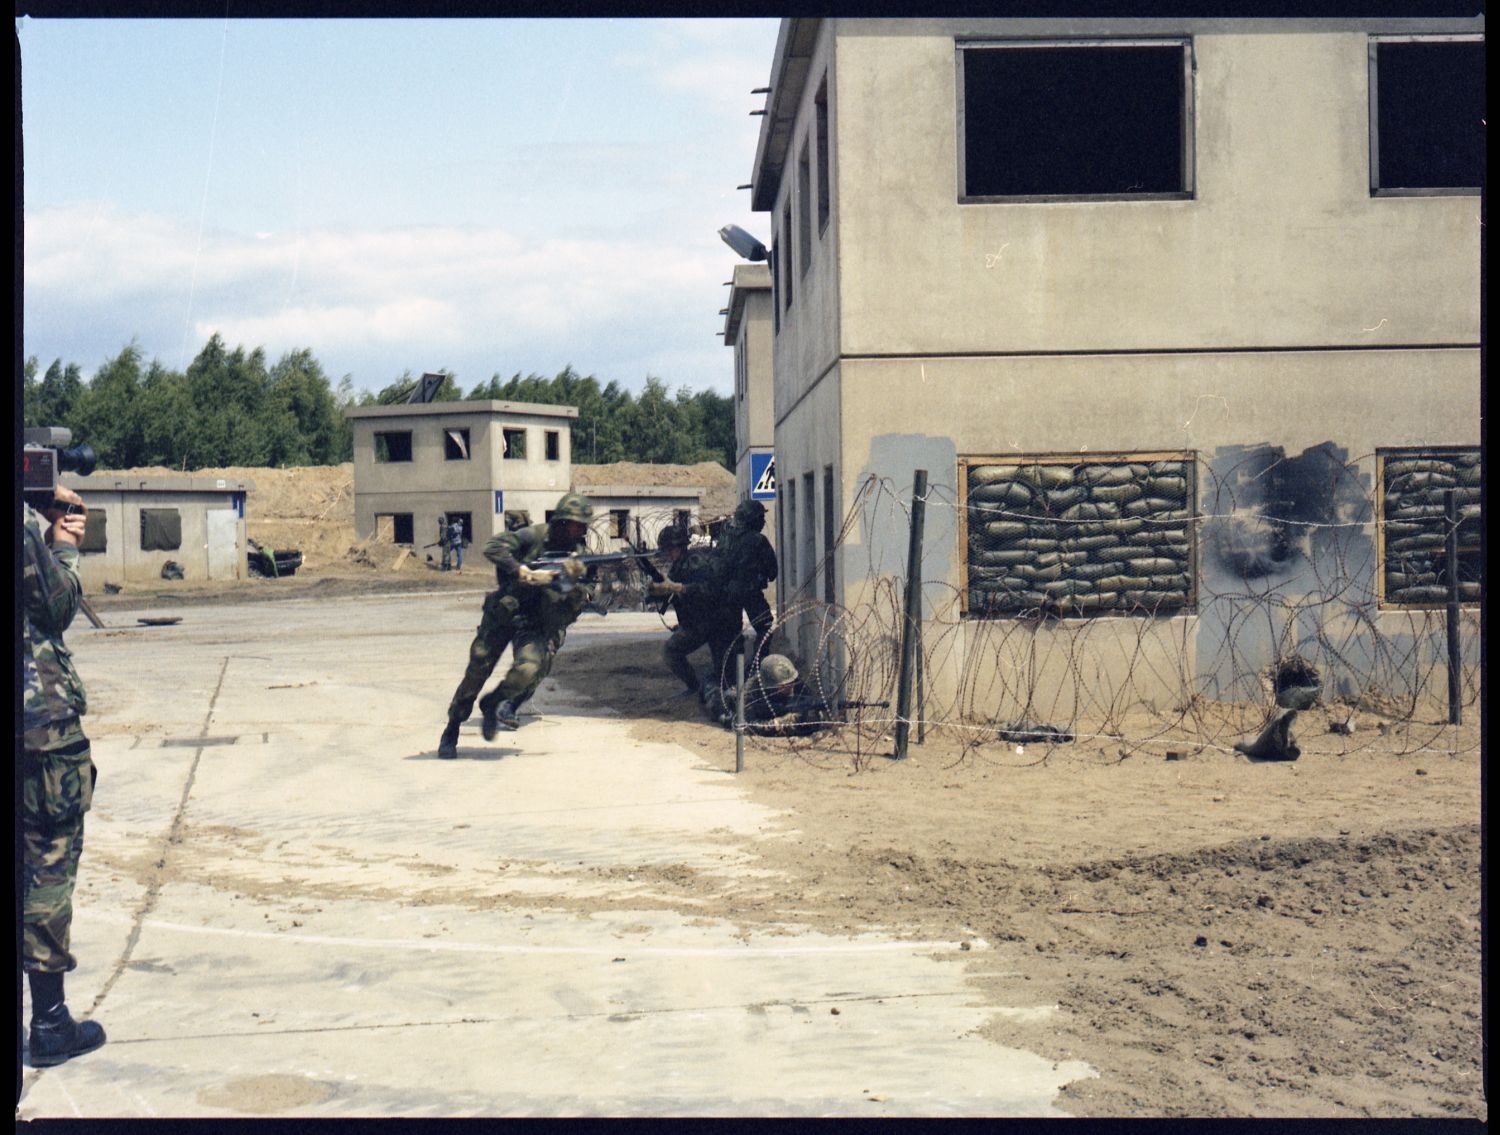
pixel 230 408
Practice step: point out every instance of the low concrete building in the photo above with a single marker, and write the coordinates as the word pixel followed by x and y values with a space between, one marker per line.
pixel 494 465
pixel 1160 355
pixel 136 525
pixel 748 330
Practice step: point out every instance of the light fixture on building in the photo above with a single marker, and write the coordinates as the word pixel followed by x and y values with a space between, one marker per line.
pixel 742 242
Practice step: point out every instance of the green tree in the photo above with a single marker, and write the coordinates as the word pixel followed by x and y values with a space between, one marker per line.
pixel 105 414
pixel 169 420
pixel 50 400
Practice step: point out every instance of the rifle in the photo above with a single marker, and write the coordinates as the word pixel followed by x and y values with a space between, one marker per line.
pixel 563 584
pixel 811 703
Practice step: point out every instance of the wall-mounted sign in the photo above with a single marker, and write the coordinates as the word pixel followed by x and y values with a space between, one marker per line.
pixel 763 476
pixel 499 501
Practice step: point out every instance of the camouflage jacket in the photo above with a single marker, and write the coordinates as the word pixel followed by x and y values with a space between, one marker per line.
pixel 50 593
pixel 510 551
pixel 749 559
pixel 704 599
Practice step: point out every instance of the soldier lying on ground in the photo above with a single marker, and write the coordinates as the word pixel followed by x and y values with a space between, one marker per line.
pixel 775 702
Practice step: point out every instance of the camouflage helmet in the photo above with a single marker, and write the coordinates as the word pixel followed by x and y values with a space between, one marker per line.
pixel 777 670
pixel 573 506
pixel 750 513
pixel 672 536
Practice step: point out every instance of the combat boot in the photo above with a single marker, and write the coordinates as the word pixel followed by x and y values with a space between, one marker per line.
pixel 56 1036
pixel 489 723
pixel 506 716
pixel 448 743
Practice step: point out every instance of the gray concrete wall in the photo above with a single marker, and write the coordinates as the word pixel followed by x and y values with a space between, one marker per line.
pixel 123 560
pixel 1281 246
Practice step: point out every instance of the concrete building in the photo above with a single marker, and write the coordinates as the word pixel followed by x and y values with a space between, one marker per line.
pixel 636 513
pixel 747 329
pixel 1224 271
pixel 493 464
pixel 137 524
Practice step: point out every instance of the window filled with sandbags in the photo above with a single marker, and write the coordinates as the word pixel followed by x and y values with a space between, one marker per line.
pixel 1109 535
pixel 1414 487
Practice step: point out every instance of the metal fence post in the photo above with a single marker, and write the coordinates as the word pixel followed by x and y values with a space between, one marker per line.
pixel 913 621
pixel 1455 660
pixel 739 711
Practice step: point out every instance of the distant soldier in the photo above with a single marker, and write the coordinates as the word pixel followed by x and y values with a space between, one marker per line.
pixel 706 612
pixel 455 544
pixel 445 543
pixel 56 779
pixel 750 565
pixel 525 613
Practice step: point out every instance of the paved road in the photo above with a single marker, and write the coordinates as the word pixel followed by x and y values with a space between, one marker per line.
pixel 288 906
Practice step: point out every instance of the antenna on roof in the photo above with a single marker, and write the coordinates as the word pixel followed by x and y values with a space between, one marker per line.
pixel 426 390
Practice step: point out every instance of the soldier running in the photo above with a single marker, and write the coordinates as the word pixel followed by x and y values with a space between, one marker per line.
pixel 525 613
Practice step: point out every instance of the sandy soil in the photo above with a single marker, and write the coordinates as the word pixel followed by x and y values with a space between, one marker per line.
pixel 1223 938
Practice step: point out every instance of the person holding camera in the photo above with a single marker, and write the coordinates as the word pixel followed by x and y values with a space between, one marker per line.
pixel 57 772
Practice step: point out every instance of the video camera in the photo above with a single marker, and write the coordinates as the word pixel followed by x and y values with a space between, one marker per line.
pixel 48 451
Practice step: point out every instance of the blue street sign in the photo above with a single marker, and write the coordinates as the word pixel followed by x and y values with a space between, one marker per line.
pixel 763 476
pixel 499 502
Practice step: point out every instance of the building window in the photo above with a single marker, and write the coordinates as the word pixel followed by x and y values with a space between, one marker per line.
pixel 517 519
pixel 392 445
pixel 809 534
pixel 515 445
pixel 1414 527
pixel 820 110
pixel 403 530
pixel 95 537
pixel 1426 114
pixel 1109 536
pixel 161 529
pixel 1054 119
pixel 789 536
pixel 553 443
pixel 775 266
pixel 804 208
pixel 786 267
pixel 467 520
pixel 619 523
pixel 684 519
pixel 830 533
pixel 455 445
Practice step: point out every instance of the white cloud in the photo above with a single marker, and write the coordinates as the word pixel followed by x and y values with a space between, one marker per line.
pixel 371 302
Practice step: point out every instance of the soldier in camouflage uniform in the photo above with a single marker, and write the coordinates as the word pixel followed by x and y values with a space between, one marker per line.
pixel 750 565
pixel 772 694
pixel 57 776
pixel 706 613
pixel 525 613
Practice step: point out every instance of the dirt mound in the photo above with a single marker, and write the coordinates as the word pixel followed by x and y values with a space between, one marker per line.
pixel 717 482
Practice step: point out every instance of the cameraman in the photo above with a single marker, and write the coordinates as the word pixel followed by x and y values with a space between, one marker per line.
pixel 57 772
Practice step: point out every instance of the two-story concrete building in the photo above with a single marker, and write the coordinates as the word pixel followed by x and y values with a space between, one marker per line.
pixel 1167 309
pixel 494 465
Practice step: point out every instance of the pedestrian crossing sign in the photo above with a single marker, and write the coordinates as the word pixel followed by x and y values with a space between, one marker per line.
pixel 763 476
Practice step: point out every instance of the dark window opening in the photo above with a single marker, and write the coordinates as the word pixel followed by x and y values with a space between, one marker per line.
pixel 786 267
pixel 403 530
pixel 830 535
pixel 161 530
pixel 95 538
pixel 804 208
pixel 619 520
pixel 455 445
pixel 820 107
pixel 393 445
pixel 1427 112
pixel 553 440
pixel 776 289
pixel 515 445
pixel 1053 120
pixel 684 518
pixel 467 520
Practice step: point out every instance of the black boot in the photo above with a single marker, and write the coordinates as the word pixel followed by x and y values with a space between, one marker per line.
pixel 448 743
pixel 505 715
pixel 489 723
pixel 55 1035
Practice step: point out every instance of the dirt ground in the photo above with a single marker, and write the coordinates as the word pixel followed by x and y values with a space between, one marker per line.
pixel 1222 938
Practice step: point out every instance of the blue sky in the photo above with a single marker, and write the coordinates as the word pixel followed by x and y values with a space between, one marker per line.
pixel 477 196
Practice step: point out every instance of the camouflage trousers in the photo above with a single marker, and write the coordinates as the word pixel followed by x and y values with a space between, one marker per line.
pixel 721 637
pixel 758 611
pixel 533 650
pixel 57 788
pixel 496 629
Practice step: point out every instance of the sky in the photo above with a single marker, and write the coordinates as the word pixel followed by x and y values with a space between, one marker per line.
pixel 473 196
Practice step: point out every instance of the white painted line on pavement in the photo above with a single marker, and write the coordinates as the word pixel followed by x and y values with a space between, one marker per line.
pixel 422 945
